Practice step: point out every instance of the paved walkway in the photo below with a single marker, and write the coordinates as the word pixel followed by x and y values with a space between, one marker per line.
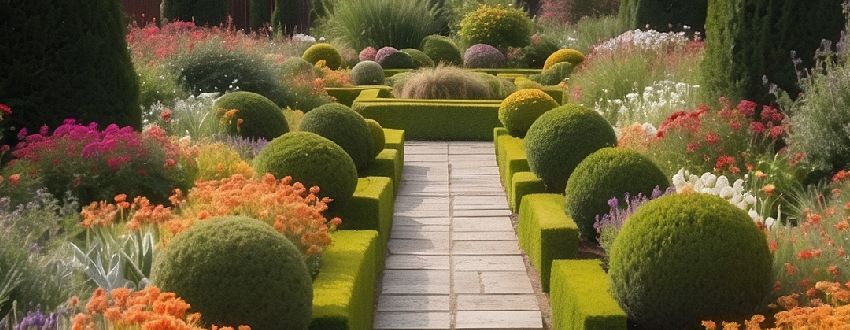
pixel 453 257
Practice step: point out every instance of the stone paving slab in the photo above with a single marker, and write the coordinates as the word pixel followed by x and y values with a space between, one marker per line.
pixel 414 262
pixel 412 320
pixel 498 320
pixel 479 248
pixel 482 224
pixel 419 246
pixel 414 221
pixel 497 302
pixel 426 235
pixel 415 282
pixel 482 213
pixel 488 263
pixel 506 282
pixel 421 228
pixel 418 303
pixel 484 236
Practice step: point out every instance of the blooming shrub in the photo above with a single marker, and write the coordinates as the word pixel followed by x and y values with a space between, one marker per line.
pixel 99 164
pixel 500 26
pixel 608 225
pixel 649 40
pixel 323 52
pixel 218 161
pixel 653 105
pixel 367 54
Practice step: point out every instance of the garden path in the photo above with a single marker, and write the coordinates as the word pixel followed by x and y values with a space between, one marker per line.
pixel 454 261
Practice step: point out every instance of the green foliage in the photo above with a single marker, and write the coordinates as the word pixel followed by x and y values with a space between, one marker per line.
pixel 295 66
pixel 498 26
pixel 238 270
pixel 380 23
pixel 519 110
pixel 670 265
pixel 663 15
pixel 536 53
pixel 580 297
pixel 344 127
pixel 397 60
pixel 367 73
pixel 571 56
pixel 202 12
pixel 259 13
pixel 443 83
pixel 584 34
pixel 156 84
pixel 291 16
pixel 441 50
pixel 561 138
pixel 555 74
pixel 323 52
pixel 379 140
pixel 419 58
pixel 545 233
pixel 66 60
pixel 607 173
pixel 750 39
pixel 524 83
pixel 312 160
pixel 214 69
pixel 257 116
pixel 453 11
pixel 460 120
pixel 500 88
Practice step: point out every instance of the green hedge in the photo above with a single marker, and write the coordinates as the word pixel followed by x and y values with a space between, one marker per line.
pixel 344 290
pixel 371 208
pixel 433 120
pixel 546 233
pixel 523 184
pixel 395 140
pixel 580 297
pixel 510 157
pixel 347 95
pixel 493 71
pixel 387 164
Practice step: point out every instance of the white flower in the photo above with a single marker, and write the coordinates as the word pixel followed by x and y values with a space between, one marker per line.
pixel 304 38
pixel 753 214
pixel 709 179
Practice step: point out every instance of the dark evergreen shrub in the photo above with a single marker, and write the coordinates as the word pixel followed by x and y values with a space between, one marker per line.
pixel 202 12
pixel 663 15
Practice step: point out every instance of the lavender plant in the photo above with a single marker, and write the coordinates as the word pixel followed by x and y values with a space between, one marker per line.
pixel 608 225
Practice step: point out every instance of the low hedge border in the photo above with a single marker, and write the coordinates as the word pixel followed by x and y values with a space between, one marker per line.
pixel 388 164
pixel 395 140
pixel 344 290
pixel 346 95
pixel 432 119
pixel 523 184
pixel 510 158
pixel 495 72
pixel 371 208
pixel 580 297
pixel 546 233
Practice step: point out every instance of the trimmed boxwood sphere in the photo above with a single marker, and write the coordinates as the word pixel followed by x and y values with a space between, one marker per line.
pixel 379 140
pixel 420 59
pixel 441 49
pixel 238 270
pixel 261 118
pixel 689 257
pixel 323 51
pixel 396 60
pixel 606 173
pixel 312 160
pixel 520 109
pixel 561 138
pixel 343 126
pixel 571 56
pixel 367 73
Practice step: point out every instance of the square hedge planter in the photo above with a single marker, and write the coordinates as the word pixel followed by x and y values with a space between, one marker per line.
pixel 371 208
pixel 580 297
pixel 344 290
pixel 546 233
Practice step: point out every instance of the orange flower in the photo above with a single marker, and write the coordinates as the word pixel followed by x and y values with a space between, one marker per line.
pixel 768 189
pixel 14 179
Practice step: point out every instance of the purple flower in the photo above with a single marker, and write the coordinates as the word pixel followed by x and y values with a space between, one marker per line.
pixel 383 53
pixel 36 320
pixel 483 56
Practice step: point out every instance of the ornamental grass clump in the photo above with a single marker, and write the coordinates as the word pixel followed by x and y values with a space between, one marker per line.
pixel 443 82
pixel 606 173
pixel 96 164
pixel 237 270
pixel 379 23
pixel 684 258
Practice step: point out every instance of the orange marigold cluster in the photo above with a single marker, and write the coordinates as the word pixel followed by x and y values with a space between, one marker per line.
pixel 139 212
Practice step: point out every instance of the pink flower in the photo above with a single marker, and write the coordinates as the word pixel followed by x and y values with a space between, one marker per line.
pixel 5 110
pixel 757 127
pixel 747 108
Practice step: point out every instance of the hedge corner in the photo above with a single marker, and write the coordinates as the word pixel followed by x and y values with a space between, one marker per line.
pixel 522 184
pixel 546 233
pixel 580 297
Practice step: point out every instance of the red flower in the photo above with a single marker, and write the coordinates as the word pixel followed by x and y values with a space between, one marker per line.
pixel 747 108
pixel 757 127
pixel 776 132
pixel 166 115
pixel 712 138
pixel 5 110
pixel 692 147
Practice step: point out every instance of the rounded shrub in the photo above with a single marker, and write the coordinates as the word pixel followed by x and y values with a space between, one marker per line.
pixel 520 109
pixel 79 52
pixel 395 60
pixel 500 26
pixel 555 74
pixel 202 12
pixel 483 56
pixel 685 258
pixel 564 55
pixel 441 49
pixel 379 140
pixel 561 138
pixel 323 52
pixel 238 270
pixel 294 66
pixel 213 69
pixel 343 126
pixel 536 53
pixel 523 83
pixel 255 116
pixel 367 54
pixel 443 82
pixel 312 160
pixel 420 59
pixel 382 53
pixel 367 73
pixel 607 173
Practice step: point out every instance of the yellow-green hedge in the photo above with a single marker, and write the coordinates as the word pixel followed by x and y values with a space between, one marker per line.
pixel 344 290
pixel 580 297
pixel 346 95
pixel 546 233
pixel 371 208
pixel 388 164
pixel 522 184
pixel 433 119
pixel 511 158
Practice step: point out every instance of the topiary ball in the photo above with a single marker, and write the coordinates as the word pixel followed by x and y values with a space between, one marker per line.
pixel 607 173
pixel 312 160
pixel 441 50
pixel 555 74
pixel 343 126
pixel 520 109
pixel 367 54
pixel 256 116
pixel 561 138
pixel 500 26
pixel 564 55
pixel 367 73
pixel 420 59
pixel 396 60
pixel 294 66
pixel 684 258
pixel 483 56
pixel 379 140
pixel 382 53
pixel 238 270
pixel 323 52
